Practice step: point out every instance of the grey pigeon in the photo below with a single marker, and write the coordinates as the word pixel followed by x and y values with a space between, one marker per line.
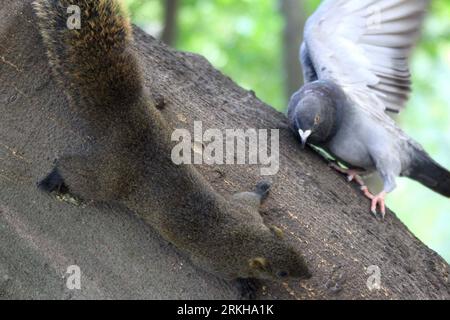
pixel 355 58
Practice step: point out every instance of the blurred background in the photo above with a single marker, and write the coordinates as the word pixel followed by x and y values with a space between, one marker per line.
pixel 256 42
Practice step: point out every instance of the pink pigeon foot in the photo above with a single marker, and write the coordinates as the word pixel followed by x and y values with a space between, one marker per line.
pixel 353 175
pixel 378 200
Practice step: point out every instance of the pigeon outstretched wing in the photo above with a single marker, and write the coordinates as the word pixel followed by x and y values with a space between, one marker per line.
pixel 364 46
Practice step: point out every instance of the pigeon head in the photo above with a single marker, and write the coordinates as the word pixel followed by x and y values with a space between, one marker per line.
pixel 313 112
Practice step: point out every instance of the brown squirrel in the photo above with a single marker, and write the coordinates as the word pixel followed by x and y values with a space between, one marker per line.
pixel 129 157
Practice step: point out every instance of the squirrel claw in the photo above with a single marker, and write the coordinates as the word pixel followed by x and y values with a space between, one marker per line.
pixel 262 188
pixel 53 183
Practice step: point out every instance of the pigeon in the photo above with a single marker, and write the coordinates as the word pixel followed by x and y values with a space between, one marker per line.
pixel 355 58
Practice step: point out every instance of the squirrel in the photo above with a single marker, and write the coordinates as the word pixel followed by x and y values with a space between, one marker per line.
pixel 128 156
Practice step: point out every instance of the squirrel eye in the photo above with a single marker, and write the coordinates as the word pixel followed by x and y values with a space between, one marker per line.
pixel 282 274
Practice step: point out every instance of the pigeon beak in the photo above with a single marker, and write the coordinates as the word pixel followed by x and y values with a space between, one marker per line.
pixel 304 135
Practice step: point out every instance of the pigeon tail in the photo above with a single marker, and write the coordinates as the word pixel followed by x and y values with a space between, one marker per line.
pixel 431 174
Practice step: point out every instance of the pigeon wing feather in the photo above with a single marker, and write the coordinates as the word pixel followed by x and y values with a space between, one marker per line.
pixel 364 46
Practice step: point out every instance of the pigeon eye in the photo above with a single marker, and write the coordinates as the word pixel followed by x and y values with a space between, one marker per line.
pixel 316 120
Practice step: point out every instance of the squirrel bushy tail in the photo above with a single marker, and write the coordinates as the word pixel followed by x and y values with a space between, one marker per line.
pixel 99 49
pixel 88 46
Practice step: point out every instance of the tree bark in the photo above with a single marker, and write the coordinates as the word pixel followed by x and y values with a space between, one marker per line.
pixel 121 257
pixel 294 19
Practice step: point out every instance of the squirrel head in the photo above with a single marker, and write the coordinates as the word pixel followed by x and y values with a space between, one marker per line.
pixel 279 262
pixel 274 258
pixel 254 252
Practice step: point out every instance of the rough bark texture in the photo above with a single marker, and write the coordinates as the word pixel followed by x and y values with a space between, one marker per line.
pixel 121 257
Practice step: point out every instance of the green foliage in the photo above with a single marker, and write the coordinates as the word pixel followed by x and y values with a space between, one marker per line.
pixel 243 38
pixel 227 32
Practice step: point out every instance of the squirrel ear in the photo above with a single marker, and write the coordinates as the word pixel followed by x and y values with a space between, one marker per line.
pixel 258 263
pixel 277 231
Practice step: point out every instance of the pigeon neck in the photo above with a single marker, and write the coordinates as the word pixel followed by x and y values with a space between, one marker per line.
pixel 335 105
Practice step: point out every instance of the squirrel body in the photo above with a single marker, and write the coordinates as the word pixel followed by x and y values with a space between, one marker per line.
pixel 129 161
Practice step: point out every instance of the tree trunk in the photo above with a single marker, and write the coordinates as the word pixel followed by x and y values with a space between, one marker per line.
pixel 294 20
pixel 169 34
pixel 121 257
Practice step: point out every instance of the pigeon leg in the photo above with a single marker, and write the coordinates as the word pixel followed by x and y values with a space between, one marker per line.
pixel 352 175
pixel 367 193
pixel 378 200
